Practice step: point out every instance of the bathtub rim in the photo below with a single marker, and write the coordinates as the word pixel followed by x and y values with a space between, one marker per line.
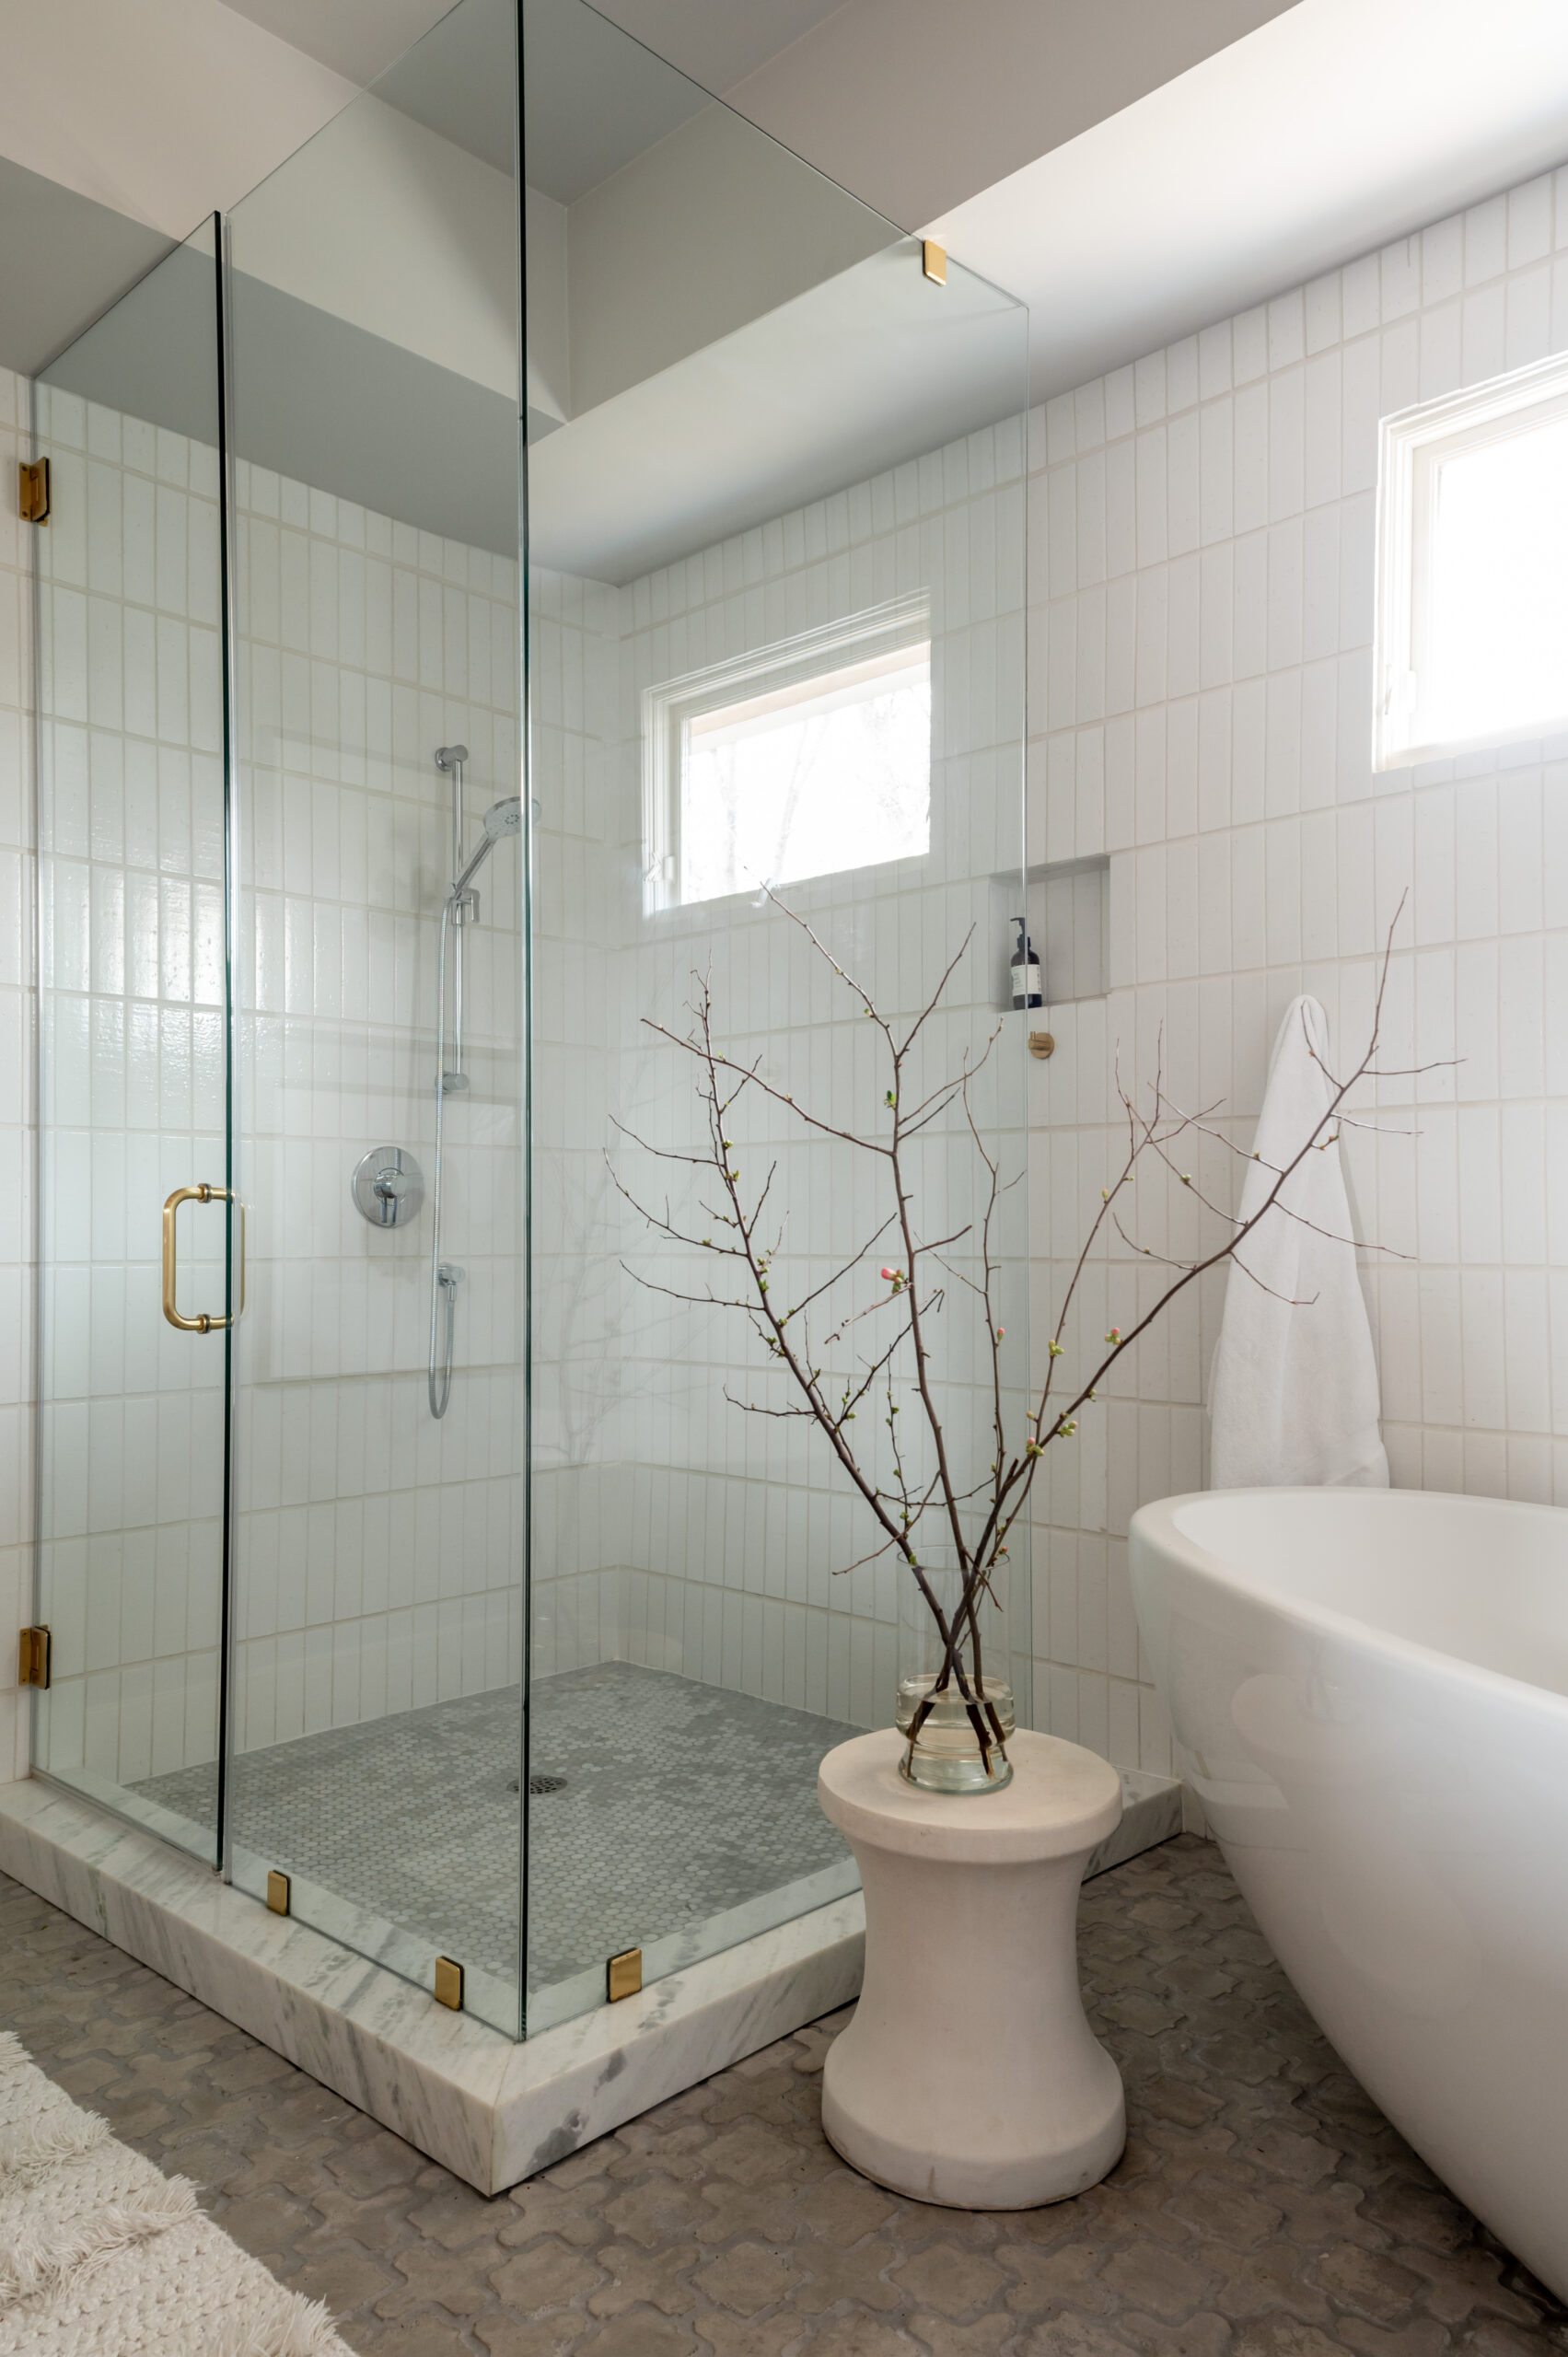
pixel 1154 1527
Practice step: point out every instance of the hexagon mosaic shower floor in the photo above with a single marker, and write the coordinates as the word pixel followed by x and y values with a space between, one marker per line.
pixel 1263 2208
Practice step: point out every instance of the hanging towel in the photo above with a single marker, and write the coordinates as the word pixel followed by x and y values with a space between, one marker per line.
pixel 1295 1392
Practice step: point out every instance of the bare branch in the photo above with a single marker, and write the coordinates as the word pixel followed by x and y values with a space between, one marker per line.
pixel 976 1514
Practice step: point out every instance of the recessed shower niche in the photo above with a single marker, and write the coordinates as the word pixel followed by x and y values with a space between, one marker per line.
pixel 437 1592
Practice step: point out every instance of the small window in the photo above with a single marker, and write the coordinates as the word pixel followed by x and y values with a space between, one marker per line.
pixel 803 759
pixel 1472 570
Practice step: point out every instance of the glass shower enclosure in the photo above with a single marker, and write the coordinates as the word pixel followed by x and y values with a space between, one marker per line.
pixel 545 571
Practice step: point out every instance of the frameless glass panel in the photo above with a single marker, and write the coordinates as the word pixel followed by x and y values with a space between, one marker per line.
pixel 135 1286
pixel 377 1739
pixel 776 639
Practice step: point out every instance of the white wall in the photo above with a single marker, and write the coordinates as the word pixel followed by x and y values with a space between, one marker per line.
pixel 1202 540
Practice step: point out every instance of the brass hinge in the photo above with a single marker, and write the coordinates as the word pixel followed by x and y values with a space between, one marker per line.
pixel 32 491
pixel 33 1657
pixel 933 262
pixel 623 1975
pixel 448 1983
pixel 280 1892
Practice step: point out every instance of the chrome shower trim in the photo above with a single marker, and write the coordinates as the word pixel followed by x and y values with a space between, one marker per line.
pixel 459 908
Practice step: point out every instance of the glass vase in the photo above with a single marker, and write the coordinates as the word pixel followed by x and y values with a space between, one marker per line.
pixel 954 1704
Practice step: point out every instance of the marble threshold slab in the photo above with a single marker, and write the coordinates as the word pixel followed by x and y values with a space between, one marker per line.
pixel 491 2109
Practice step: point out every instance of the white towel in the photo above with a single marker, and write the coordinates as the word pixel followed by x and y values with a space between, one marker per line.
pixel 1295 1392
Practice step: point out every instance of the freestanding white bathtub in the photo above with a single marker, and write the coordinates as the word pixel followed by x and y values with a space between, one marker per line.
pixel 1373 1686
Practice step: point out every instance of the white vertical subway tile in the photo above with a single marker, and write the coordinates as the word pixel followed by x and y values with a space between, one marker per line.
pixel 1201 527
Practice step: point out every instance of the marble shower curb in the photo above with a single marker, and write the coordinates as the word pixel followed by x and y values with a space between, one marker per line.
pixel 491 2109
pixel 488 2109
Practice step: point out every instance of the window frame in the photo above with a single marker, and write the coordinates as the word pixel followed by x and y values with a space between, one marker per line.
pixel 1412 446
pixel 668 707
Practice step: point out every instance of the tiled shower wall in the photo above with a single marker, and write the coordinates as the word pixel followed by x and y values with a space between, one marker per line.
pixel 580 1537
pixel 130 1083
pixel 17 1109
pixel 1201 547
pixel 377 1550
pixel 742 1530
pixel 1202 540
pixel 671 1529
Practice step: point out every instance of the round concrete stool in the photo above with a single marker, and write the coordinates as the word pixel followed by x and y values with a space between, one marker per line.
pixel 968 2075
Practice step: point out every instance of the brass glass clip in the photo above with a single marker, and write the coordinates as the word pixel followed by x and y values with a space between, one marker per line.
pixel 33 1657
pixel 32 491
pixel 623 1975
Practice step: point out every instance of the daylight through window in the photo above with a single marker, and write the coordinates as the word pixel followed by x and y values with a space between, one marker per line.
pixel 807 758
pixel 1473 569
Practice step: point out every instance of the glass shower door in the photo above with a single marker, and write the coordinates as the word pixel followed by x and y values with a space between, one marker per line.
pixel 776 598
pixel 135 1297
pixel 377 1739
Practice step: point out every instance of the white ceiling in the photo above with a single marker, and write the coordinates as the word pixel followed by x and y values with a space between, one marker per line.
pixel 873 366
pixel 1330 127
pixel 718 43
pixel 355 38
pixel 164 112
pixel 592 99
pixel 1331 131
pixel 912 105
pixel 449 81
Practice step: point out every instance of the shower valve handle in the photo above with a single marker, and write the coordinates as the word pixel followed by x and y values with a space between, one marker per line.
pixel 389 1188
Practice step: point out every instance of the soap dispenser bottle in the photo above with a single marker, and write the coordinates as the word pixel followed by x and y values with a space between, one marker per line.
pixel 1026 991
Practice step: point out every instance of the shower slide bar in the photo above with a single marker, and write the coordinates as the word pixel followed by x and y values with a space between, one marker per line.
pixel 458 910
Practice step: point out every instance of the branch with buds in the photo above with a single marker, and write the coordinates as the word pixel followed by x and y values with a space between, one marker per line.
pixel 741 1233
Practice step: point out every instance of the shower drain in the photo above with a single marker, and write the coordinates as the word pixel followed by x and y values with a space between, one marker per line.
pixel 540 1784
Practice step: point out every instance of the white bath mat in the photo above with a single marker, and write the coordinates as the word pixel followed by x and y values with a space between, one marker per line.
pixel 102 2255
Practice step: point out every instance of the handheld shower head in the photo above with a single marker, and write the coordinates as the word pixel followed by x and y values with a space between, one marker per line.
pixel 504 818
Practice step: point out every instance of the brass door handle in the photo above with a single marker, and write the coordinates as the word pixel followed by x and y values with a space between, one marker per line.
pixel 202 1194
